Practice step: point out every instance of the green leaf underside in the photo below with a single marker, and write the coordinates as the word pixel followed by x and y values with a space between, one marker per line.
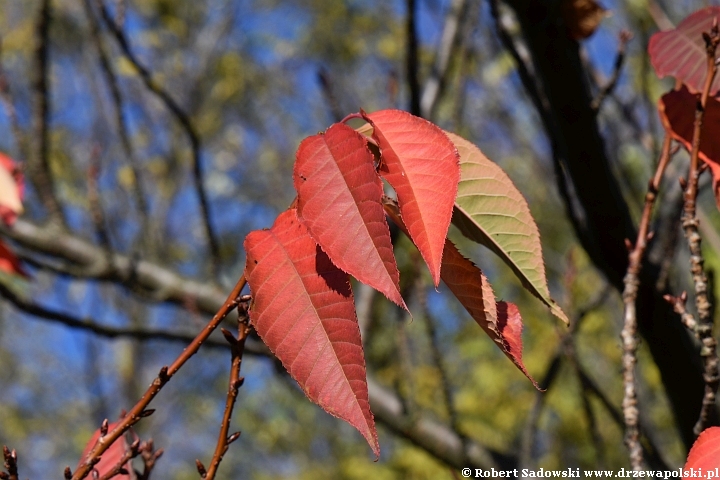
pixel 490 210
pixel 303 309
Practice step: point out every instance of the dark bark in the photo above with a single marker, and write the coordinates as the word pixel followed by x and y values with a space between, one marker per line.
pixel 606 222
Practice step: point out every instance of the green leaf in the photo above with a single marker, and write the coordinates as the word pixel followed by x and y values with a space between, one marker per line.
pixel 490 210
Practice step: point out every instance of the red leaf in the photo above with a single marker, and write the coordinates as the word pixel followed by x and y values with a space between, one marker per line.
pixel 339 201
pixel 9 263
pixel 421 164
pixel 11 190
pixel 303 310
pixel 705 452
pixel 677 112
pixel 681 52
pixel 501 321
pixel 111 457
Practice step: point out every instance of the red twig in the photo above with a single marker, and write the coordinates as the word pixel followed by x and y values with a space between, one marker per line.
pixel 166 373
pixel 10 457
pixel 690 225
pixel 629 331
pixel 120 468
pixel 237 346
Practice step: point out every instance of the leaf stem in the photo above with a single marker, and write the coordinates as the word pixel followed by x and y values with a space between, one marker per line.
pixel 166 373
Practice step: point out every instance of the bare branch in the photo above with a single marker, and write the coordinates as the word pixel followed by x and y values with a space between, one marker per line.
pixel 625 37
pixel 436 438
pixel 183 120
pixel 166 373
pixel 10 457
pixel 448 40
pixel 237 346
pixel 147 228
pixel 690 225
pixel 39 170
pixel 629 331
pixel 412 64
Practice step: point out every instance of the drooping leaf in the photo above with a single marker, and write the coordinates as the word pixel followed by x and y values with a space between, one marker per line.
pixel 680 52
pixel 677 112
pixel 705 452
pixel 303 310
pixel 490 210
pixel 339 201
pixel 9 263
pixel 500 320
pixel 11 190
pixel 110 458
pixel 421 164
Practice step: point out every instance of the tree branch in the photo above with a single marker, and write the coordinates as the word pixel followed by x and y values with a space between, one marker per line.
pixel 411 59
pixel 434 437
pixel 39 170
pixel 183 120
pixel 449 39
pixel 237 346
pixel 629 331
pixel 690 223
pixel 576 140
pixel 166 373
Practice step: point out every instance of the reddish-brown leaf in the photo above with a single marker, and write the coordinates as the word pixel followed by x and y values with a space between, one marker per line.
pixel 421 164
pixel 677 112
pixel 11 190
pixel 303 310
pixel 705 452
pixel 500 320
pixel 681 52
pixel 111 457
pixel 339 201
pixel 9 263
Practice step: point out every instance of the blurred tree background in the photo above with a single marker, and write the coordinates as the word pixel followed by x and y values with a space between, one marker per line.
pixel 156 134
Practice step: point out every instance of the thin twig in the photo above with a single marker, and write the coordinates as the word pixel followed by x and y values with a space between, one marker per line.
pixel 449 39
pixel 96 211
pixel 624 38
pixel 166 373
pixel 186 124
pixel 120 467
pixel 6 97
pixel 167 285
pixel 440 365
pixel 10 457
pixel 237 346
pixel 412 65
pixel 147 228
pixel 102 330
pixel 629 331
pixel 690 225
pixel 39 170
pixel 326 86
pixel 527 440
pixel 149 457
